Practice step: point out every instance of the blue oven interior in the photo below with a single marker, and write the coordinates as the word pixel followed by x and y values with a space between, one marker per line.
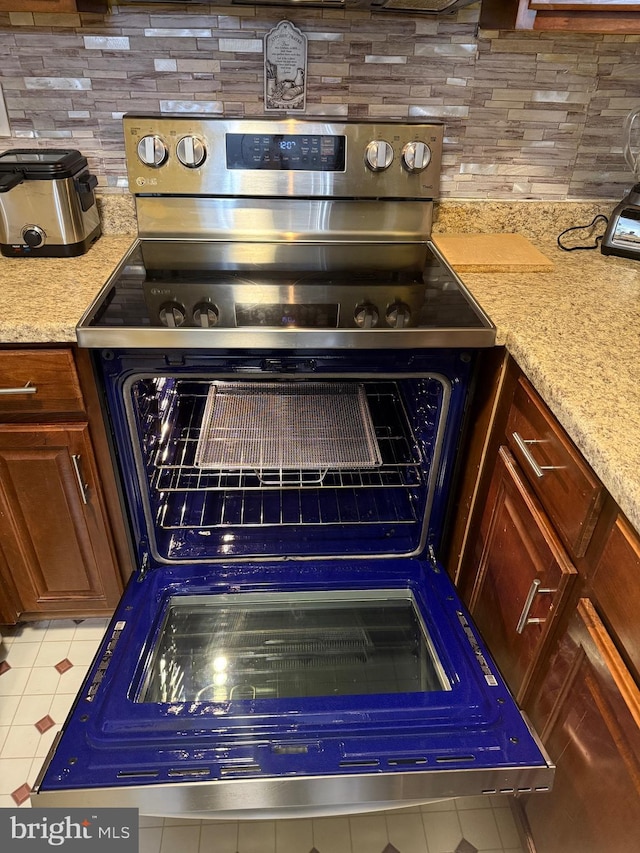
pixel 289 620
pixel 326 458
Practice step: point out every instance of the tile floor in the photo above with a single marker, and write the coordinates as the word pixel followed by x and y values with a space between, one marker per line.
pixel 42 665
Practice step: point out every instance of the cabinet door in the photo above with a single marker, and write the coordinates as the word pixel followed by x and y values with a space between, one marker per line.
pixel 54 541
pixel 588 16
pixel 588 712
pixel 524 575
pixel 615 588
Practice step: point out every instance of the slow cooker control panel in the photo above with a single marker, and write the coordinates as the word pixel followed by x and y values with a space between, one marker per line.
pixel 248 157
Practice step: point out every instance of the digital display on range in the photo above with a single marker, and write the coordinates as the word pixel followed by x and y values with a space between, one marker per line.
pixel 298 316
pixel 301 152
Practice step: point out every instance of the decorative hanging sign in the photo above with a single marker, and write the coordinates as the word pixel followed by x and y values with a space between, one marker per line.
pixel 285 68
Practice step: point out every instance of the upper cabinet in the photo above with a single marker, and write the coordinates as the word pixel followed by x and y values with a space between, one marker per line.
pixel 54 6
pixel 584 16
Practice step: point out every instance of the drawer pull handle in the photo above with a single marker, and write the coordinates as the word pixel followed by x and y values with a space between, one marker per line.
pixel 82 486
pixel 522 443
pixel 524 619
pixel 25 389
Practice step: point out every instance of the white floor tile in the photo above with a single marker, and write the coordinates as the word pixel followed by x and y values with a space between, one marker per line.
pixel 442 830
pixel 4 731
pixel 294 836
pixel 406 833
pixel 180 839
pixel 82 652
pixel 14 681
pixel 52 653
pixel 149 840
pixel 60 706
pixel 71 680
pixel 23 654
pixel 60 630
pixel 91 629
pixel 257 836
pixel 332 835
pixel 480 828
pixel 507 827
pixel 368 832
pixel 220 838
pixel 42 679
pixel 8 706
pixel 33 708
pixel 13 773
pixel 32 632
pixel 23 743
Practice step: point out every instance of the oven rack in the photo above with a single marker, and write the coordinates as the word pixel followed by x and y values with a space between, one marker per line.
pixel 172 464
pixel 308 508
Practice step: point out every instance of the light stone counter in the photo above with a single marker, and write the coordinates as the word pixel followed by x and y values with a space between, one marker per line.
pixel 43 298
pixel 574 331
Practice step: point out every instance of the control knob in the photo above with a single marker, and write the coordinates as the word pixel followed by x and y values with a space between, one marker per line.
pixel 172 314
pixel 416 156
pixel 366 315
pixel 205 314
pixel 191 151
pixel 33 236
pixel 152 151
pixel 398 315
pixel 378 155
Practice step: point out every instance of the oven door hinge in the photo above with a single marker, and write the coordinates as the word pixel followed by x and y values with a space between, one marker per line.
pixel 431 554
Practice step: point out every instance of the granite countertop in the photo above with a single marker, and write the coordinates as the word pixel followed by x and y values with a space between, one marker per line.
pixel 574 331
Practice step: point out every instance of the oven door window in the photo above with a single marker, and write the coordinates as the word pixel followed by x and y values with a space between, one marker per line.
pixel 278 645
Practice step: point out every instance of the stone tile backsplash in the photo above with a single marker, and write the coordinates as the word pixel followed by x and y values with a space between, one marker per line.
pixel 527 115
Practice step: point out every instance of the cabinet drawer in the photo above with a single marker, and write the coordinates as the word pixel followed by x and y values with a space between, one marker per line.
pixel 565 485
pixel 38 382
pixel 615 588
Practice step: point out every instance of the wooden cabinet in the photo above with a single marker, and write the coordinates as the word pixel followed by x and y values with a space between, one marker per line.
pixel 58 555
pixel 615 588
pixel 588 712
pixel 587 16
pixel 570 493
pixel 524 575
pixel 54 6
pixel 538 513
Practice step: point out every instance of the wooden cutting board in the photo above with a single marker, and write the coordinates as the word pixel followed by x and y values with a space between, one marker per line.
pixel 491 253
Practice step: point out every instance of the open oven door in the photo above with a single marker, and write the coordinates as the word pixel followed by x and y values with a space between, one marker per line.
pixel 291 689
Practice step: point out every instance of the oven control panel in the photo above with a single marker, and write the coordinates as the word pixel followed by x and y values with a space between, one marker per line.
pixel 210 156
pixel 272 307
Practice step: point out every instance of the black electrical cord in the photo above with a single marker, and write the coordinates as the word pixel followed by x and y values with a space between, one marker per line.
pixel 598 239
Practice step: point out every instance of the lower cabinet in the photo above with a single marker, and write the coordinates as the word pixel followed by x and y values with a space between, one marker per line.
pixel 588 713
pixel 61 550
pixel 53 537
pixel 524 575
pixel 550 569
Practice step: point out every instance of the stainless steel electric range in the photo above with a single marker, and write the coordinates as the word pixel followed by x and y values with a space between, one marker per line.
pixel 286 363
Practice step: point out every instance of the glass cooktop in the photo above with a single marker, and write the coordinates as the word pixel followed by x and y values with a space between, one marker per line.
pixel 208 293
